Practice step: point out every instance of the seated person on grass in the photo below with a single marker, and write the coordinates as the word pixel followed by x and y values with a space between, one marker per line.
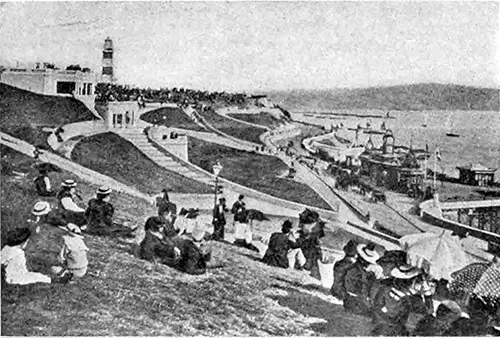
pixel 42 183
pixel 196 254
pixel 73 254
pixel 66 196
pixel 14 270
pixel 99 214
pixel 154 247
pixel 46 215
pixel 283 251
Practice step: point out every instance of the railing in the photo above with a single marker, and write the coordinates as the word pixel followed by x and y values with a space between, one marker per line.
pixel 434 218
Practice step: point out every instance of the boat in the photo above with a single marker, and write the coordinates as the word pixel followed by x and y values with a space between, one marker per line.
pixel 450 124
pixel 425 122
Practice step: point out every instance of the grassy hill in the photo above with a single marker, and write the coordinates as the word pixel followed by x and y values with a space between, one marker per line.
pixel 233 128
pixel 260 172
pixel 171 117
pixel 430 96
pixel 23 114
pixel 123 295
pixel 263 119
pixel 116 157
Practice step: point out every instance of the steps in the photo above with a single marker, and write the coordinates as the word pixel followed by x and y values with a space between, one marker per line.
pixel 139 139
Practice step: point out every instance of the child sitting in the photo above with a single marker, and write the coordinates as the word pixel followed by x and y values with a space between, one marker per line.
pixel 73 254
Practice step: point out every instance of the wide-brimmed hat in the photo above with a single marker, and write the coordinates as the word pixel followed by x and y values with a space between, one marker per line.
pixel 103 190
pixel 41 208
pixel 405 272
pixel 17 236
pixel 367 253
pixel 69 183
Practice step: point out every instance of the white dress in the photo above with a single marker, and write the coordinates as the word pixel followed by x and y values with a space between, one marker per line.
pixel 16 272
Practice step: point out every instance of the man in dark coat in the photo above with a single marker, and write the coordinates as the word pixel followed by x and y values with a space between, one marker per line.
pixel 239 210
pixel 165 206
pixel 280 246
pixel 153 247
pixel 396 300
pixel 219 220
pixel 358 281
pixel 340 269
pixel 66 196
pixel 42 184
pixel 99 214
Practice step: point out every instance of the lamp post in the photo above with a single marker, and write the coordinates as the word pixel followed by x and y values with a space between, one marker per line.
pixel 216 169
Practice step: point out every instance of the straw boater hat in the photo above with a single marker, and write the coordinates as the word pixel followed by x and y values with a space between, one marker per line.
pixel 369 255
pixel 69 183
pixel 103 190
pixel 405 272
pixel 41 208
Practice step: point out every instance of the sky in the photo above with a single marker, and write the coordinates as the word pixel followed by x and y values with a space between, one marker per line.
pixel 256 46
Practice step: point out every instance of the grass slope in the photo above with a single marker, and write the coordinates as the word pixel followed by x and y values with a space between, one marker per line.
pixel 122 295
pixel 23 114
pixel 116 157
pixel 263 119
pixel 427 96
pixel 253 170
pixel 233 128
pixel 171 117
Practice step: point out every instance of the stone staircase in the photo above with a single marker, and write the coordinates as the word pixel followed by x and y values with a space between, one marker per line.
pixel 139 139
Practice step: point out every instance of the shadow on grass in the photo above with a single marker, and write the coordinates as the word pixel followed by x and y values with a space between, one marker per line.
pixel 338 322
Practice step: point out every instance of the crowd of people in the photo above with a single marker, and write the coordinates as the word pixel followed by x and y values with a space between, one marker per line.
pixel 115 92
pixel 382 287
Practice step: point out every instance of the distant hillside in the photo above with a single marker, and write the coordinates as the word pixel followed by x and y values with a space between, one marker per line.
pixel 23 114
pixel 405 97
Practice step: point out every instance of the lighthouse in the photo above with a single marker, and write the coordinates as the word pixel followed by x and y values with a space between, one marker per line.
pixel 107 61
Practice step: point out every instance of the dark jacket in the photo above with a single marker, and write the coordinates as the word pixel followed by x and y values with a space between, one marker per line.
pixel 153 249
pixel 392 307
pixel 430 326
pixel 192 260
pixel 165 206
pixel 358 283
pixel 468 327
pixel 41 187
pixel 99 214
pixel 339 271
pixel 219 222
pixel 276 253
pixel 239 211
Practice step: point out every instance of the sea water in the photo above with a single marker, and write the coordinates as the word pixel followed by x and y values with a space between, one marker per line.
pixel 478 141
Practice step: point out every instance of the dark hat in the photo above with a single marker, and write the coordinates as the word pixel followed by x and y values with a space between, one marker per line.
pixel 165 190
pixel 153 223
pixel 350 248
pixel 287 225
pixel 241 197
pixel 17 236
pixel 222 199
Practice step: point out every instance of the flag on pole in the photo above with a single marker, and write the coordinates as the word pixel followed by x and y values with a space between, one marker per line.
pixel 438 154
